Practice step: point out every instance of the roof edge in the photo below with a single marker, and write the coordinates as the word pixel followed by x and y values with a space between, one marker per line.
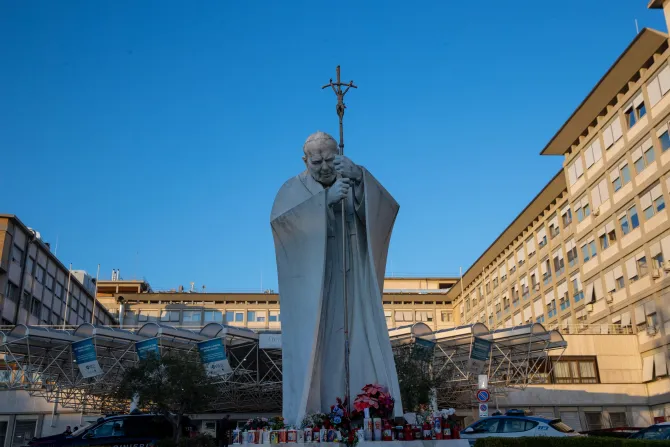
pixel 636 44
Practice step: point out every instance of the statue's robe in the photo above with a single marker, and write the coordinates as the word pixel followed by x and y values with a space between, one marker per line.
pixel 308 244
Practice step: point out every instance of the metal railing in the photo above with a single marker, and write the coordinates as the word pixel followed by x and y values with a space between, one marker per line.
pixel 592 329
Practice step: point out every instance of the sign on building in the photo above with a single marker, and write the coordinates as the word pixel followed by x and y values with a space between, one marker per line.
pixel 86 358
pixel 145 348
pixel 213 357
pixel 269 341
pixel 479 354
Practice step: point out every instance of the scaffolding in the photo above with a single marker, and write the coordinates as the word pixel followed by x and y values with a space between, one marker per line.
pixel 41 361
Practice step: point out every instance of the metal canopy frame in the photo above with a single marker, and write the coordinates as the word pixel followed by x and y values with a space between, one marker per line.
pixel 40 360
pixel 518 358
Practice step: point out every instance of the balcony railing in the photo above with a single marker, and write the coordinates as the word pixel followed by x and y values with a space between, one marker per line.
pixel 592 329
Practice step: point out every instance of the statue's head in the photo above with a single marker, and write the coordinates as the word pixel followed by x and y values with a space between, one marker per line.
pixel 320 150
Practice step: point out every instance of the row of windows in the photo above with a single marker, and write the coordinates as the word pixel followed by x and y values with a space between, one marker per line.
pixel 652 202
pixel 51 315
pixel 207 316
pixel 633 112
pixel 636 267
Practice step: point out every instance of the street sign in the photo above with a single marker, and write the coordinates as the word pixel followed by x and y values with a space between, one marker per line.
pixel 483 396
pixel 483 410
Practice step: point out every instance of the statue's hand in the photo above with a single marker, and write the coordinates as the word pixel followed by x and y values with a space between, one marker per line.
pixel 347 168
pixel 338 191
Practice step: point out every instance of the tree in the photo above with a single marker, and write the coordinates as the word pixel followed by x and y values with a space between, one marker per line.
pixel 415 378
pixel 172 386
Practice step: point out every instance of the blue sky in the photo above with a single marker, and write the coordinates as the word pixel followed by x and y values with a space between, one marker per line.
pixel 152 136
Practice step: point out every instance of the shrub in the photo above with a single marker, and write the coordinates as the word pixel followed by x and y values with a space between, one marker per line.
pixel 568 441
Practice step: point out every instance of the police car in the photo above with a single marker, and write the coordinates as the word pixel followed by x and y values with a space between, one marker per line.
pixel 513 425
pixel 130 430
pixel 658 432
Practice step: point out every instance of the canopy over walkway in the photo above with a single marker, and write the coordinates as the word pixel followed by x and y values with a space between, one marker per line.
pixel 41 360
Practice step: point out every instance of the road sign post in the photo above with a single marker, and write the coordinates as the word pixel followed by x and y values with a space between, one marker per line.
pixel 483 396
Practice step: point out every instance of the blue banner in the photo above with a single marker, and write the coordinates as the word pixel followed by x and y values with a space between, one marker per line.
pixel 213 357
pixel 481 349
pixel 86 358
pixel 145 348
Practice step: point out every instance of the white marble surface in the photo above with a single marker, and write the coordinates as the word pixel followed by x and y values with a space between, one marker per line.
pixel 306 223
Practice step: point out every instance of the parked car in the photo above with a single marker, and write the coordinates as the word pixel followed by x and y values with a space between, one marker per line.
pixel 136 430
pixel 660 431
pixel 515 427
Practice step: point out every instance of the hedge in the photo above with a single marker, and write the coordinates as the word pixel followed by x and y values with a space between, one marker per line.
pixel 568 441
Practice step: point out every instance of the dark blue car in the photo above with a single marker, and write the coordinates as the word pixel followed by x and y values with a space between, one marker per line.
pixel 141 430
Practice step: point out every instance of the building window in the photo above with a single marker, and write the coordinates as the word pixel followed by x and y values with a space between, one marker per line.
pixel 213 316
pixel 422 315
pixel 620 176
pixel 575 371
pixel 593 153
pixel 551 308
pixel 664 139
pixel 594 420
pixel 40 273
pixel 29 265
pixel 652 202
pixel 12 292
pixel 546 275
pixel 589 250
pixel 643 159
pixel 657 87
pixel 575 171
pixel 612 132
pixel 17 254
pixel 559 263
pixel 635 111
pixel 170 315
pixel 192 316
pixel 488 287
pixel 274 316
pixel 567 217
pixel 50 282
pixel 233 316
pixel 629 220
pixel 583 210
pixel 540 319
pixel 404 315
pixel 642 266
pixel 495 282
pixel 147 315
pixel 618 419
pixel 35 307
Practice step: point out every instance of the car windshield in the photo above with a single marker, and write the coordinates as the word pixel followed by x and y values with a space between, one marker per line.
pixel 561 426
pixel 653 432
pixel 80 431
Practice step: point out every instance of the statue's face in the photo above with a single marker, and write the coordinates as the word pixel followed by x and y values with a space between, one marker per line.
pixel 319 158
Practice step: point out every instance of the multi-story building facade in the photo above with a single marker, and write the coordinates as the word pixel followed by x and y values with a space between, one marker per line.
pixel 36 288
pixel 589 254
pixel 133 303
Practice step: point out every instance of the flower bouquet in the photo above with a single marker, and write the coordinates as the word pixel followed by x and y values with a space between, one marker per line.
pixel 376 399
pixel 256 424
